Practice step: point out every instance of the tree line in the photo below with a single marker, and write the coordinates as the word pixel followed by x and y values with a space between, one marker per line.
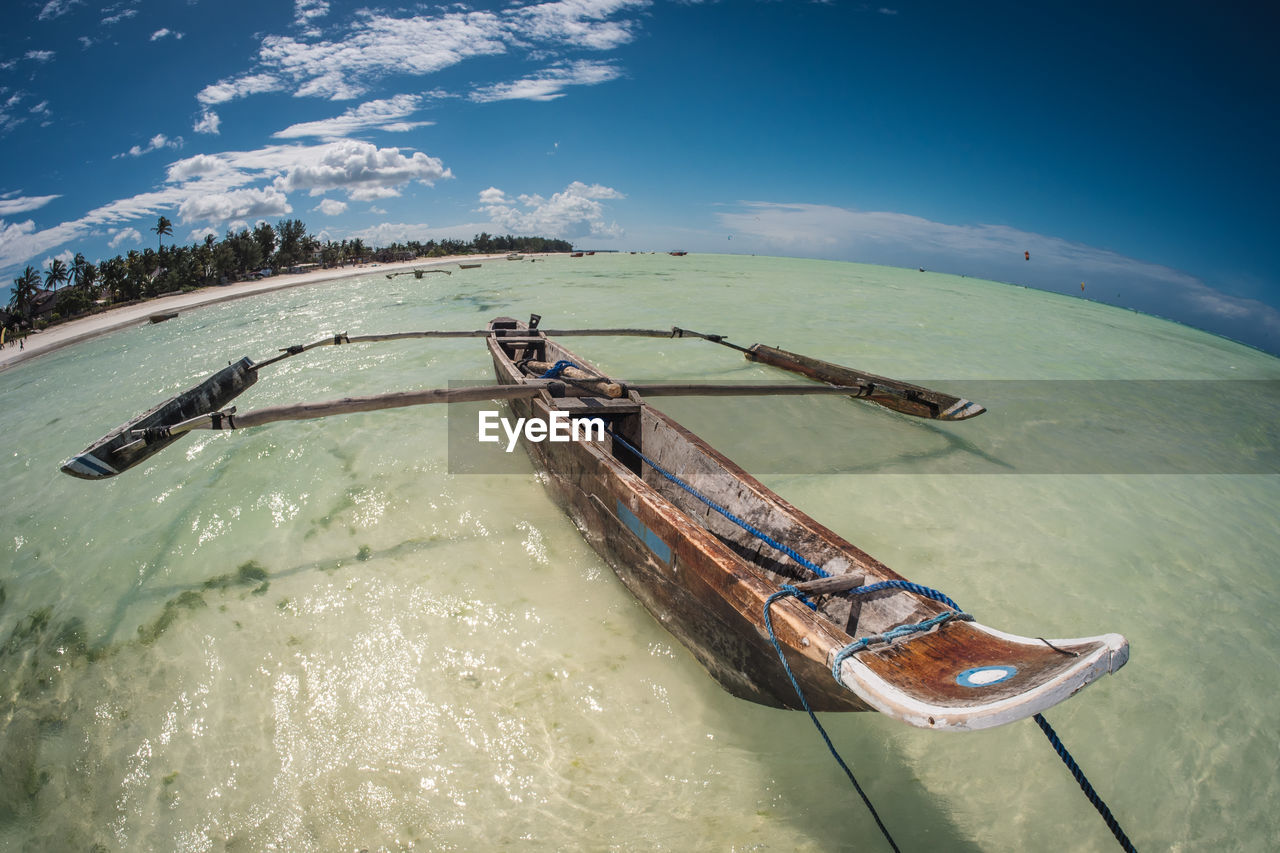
pixel 149 273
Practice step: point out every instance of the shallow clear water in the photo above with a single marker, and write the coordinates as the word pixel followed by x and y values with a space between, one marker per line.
pixel 311 636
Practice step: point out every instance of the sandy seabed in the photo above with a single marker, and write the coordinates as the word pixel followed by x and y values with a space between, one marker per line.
pixel 75 331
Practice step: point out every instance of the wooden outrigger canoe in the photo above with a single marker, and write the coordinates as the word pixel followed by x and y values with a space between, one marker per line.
pixel 708 580
pixel 703 544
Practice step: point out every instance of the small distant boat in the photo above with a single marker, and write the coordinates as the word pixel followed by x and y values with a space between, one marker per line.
pixel 469 266
pixel 576 255
pixel 678 254
pixel 416 273
pixel 515 256
pixel 590 253
pixel 160 318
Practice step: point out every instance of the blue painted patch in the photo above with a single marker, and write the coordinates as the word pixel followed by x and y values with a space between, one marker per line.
pixel 985 676
pixel 660 549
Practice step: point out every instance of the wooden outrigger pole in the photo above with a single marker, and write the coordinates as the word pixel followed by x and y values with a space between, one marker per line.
pixel 204 405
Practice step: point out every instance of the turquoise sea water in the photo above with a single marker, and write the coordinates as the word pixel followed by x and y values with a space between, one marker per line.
pixel 312 636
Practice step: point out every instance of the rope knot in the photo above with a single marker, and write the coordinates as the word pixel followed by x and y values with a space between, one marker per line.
pixel 556 369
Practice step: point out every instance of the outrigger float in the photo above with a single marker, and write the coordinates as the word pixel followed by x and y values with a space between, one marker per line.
pixel 779 609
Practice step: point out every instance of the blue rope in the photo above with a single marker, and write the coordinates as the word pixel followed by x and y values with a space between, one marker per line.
pixel 556 369
pixel 925 591
pixel 892 634
pixel 785 592
pixel 1090 794
pixel 759 534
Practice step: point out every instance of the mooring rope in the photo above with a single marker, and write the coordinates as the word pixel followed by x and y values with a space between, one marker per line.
pixel 1090 794
pixel 785 592
pixel 788 591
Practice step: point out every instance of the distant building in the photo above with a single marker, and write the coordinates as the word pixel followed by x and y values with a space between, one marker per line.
pixel 45 303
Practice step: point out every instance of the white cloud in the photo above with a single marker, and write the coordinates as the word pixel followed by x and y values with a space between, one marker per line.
pixel 237 186
pixel 66 257
pixel 235 204
pixel 385 114
pixel 574 212
pixel 205 166
pixel 208 122
pixel 40 55
pixel 548 84
pixel 20 241
pixel 9 116
pixel 331 207
pixel 227 90
pixel 11 203
pixel 997 252
pixel 117 15
pixel 581 23
pixel 363 170
pixel 124 235
pixel 387 233
pixel 307 11
pixel 57 8
pixel 164 32
pixel 378 45
pixel 156 143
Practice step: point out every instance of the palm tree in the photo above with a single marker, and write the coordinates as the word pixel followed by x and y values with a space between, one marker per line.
pixel 57 274
pixel 24 291
pixel 163 228
pixel 82 272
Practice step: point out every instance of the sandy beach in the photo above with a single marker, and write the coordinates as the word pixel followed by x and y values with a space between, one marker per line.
pixel 75 331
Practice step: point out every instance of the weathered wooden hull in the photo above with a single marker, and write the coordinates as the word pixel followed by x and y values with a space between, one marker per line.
pixel 117 450
pixel 707 580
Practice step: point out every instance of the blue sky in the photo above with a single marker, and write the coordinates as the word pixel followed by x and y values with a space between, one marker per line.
pixel 1129 149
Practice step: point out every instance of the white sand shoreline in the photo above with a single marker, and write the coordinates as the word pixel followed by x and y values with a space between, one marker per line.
pixel 113 319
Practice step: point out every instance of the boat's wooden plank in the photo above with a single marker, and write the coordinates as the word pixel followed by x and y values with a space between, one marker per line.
pixel 829 585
